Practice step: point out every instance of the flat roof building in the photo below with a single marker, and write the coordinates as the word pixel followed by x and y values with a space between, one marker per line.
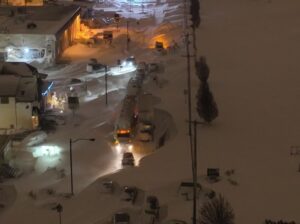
pixel 38 33
pixel 22 2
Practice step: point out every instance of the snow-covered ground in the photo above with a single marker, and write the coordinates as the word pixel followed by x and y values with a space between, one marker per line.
pixel 252 48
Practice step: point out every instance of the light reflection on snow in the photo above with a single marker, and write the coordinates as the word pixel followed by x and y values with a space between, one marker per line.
pixel 48 156
pixel 118 148
pixel 46 151
pixel 122 70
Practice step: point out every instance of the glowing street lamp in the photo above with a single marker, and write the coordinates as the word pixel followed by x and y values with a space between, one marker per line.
pixel 59 209
pixel 71 159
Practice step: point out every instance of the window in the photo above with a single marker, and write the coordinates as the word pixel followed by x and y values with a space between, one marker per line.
pixel 4 100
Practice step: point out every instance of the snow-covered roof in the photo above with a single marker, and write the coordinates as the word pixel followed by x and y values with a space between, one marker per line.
pixel 18 80
pixel 48 19
pixel 17 68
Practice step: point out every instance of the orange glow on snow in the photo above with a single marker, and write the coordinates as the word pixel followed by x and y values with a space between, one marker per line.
pixel 160 38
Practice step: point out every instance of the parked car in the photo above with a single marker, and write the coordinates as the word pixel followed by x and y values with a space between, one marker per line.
pixel 121 218
pixel 129 61
pixel 95 66
pixel 152 206
pixel 144 132
pixel 142 68
pixel 107 186
pixel 129 194
pixel 155 67
pixel 128 159
pixel 175 221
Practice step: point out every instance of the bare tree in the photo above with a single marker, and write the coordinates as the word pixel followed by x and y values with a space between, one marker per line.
pixel 217 211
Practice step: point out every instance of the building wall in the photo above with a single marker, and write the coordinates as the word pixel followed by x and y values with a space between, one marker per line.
pixel 12 46
pixel 25 2
pixel 24 115
pixel 17 115
pixel 15 45
pixel 67 36
pixel 8 114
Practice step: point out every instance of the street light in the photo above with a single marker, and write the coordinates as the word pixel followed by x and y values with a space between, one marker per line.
pixel 106 85
pixel 59 209
pixel 71 160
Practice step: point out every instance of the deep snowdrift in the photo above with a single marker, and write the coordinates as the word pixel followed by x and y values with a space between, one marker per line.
pixel 252 48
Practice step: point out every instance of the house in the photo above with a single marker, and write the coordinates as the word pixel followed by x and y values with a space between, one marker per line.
pixel 22 2
pixel 20 97
pixel 38 34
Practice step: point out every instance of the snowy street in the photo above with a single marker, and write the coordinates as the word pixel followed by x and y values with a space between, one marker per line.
pixel 252 49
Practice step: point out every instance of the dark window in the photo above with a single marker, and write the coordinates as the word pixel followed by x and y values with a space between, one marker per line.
pixel 4 100
pixel 22 92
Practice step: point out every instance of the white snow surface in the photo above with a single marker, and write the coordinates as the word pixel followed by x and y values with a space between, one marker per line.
pixel 252 48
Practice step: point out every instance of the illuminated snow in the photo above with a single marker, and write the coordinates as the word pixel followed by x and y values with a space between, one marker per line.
pixel 46 151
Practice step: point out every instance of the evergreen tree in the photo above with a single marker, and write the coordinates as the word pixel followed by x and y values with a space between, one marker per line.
pixel 202 69
pixel 194 10
pixel 217 211
pixel 206 106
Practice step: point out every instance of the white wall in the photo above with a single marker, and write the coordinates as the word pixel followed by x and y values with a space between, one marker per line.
pixel 24 114
pixel 19 115
pixel 8 114
pixel 19 41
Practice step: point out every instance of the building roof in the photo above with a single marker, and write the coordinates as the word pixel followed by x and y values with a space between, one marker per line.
pixel 18 80
pixel 17 68
pixel 9 85
pixel 46 19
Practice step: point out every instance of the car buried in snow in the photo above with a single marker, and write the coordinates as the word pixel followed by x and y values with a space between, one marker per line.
pixel 121 218
pixel 152 206
pixel 94 66
pixel 129 194
pixel 128 159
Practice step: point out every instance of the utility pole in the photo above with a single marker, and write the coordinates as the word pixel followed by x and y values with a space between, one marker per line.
pixel 194 169
pixel 188 61
pixel 71 167
pixel 106 85
pixel 127 32
pixel 71 158
pixel 195 179
pixel 59 210
pixel 192 149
